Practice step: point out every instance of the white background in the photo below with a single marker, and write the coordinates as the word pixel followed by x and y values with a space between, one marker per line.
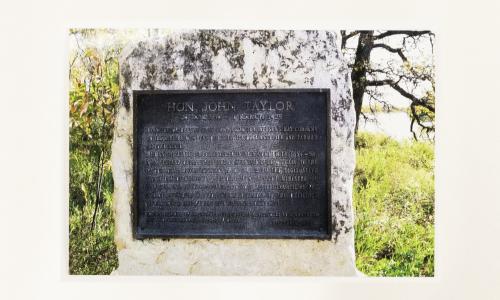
pixel 34 145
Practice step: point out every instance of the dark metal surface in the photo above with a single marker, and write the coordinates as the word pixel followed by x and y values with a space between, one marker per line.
pixel 231 164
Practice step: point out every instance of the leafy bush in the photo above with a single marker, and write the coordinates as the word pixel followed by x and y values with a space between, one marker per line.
pixel 92 101
pixel 91 250
pixel 394 205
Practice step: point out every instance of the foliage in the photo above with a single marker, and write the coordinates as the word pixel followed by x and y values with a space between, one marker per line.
pixel 394 205
pixel 92 100
pixel 410 76
pixel 92 251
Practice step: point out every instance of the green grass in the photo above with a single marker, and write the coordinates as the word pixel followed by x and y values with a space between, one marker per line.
pixel 394 205
pixel 91 251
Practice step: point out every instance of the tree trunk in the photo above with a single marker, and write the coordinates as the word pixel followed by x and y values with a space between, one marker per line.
pixel 359 70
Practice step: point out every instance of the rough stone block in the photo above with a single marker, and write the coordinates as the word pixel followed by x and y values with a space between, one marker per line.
pixel 238 59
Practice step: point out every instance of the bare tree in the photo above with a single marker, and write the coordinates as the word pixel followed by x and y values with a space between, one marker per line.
pixel 411 80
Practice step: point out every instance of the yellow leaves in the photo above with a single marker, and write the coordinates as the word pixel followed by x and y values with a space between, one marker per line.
pixel 407 66
pixel 107 165
pixel 115 89
pixel 84 109
pixel 94 91
pixel 85 192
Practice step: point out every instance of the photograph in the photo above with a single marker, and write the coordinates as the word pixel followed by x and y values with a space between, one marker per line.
pixel 235 152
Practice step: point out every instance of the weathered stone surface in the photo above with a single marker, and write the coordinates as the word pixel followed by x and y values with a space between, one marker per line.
pixel 229 59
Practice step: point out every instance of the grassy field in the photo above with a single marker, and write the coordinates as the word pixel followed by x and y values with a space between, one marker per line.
pixel 394 206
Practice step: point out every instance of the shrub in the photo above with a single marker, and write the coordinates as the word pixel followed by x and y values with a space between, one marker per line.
pixel 92 102
pixel 394 206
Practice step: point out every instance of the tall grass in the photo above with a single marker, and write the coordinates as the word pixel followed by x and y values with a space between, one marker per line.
pixel 394 206
pixel 91 250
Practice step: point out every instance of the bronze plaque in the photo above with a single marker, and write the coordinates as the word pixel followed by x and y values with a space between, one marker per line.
pixel 232 164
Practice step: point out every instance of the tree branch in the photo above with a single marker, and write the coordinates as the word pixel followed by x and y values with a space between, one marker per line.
pixel 413 99
pixel 411 128
pixel 379 82
pixel 399 51
pixel 416 117
pixel 401 91
pixel 345 37
pixel 395 32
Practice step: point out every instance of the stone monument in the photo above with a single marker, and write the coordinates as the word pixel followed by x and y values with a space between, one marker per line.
pixel 233 154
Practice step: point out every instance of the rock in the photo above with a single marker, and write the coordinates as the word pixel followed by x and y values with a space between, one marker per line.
pixel 237 59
